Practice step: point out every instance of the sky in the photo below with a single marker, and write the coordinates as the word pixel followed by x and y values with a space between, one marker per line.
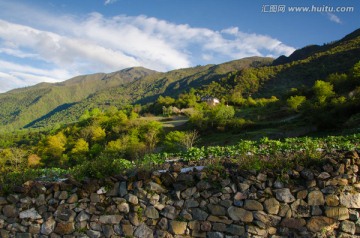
pixel 54 40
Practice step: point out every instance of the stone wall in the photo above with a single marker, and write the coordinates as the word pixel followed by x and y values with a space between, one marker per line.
pixel 318 201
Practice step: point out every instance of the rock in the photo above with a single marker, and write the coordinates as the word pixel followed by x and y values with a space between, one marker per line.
pixel 302 194
pixel 143 231
pixel 23 235
pixel 132 199
pixel 66 215
pixel 34 228
pixel 240 214
pixel 253 205
pixel 307 174
pixel 124 207
pixel 170 212
pixel 188 193
pixel 93 234
pixel 348 227
pixel 64 228
pixel 316 198
pixel 205 226
pixel 63 195
pixel 332 200
pixel 217 210
pixel 48 227
pixel 110 219
pixel 284 195
pixel 83 216
pixel 222 219
pixel 177 227
pixel 272 206
pixel 257 231
pixel 203 185
pixel 30 214
pixel 122 189
pixel 151 212
pixel 189 203
pixel 300 208
pixel 215 235
pixel 95 198
pixel 319 223
pixel 293 223
pixel 324 175
pixel 3 201
pixel 156 188
pixel 127 229
pixel 10 211
pixel 163 224
pixel 350 200
pixel 167 179
pixel 72 199
pixel 108 230
pixel 236 230
pixel 338 213
pixel 199 214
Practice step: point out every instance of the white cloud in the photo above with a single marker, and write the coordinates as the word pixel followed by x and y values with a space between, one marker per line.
pixel 107 2
pixel 332 17
pixel 95 43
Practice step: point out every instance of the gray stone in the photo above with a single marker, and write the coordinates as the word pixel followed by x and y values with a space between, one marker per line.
pixel 143 231
pixel 236 230
pixel 307 174
pixel 63 195
pixel 124 207
pixel 348 227
pixel 189 203
pixel 215 235
pixel 188 192
pixel 272 206
pixel 154 187
pixel 217 210
pixel 284 195
pixel 110 219
pixel 93 234
pixel 253 205
pixel 199 214
pixel 48 227
pixel 95 198
pixel 163 224
pixel 122 189
pixel 132 199
pixel 23 235
pixel 29 214
pixel 151 212
pixel 350 200
pixel 169 212
pixel 83 216
pixel 240 214
pixel 316 198
pixel 293 223
pixel 108 230
pixel 10 211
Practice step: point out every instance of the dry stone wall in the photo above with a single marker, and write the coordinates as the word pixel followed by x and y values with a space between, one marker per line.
pixel 321 201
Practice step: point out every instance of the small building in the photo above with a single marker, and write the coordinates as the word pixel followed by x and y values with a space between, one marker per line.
pixel 211 101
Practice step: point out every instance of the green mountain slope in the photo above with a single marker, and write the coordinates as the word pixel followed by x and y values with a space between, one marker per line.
pixel 20 107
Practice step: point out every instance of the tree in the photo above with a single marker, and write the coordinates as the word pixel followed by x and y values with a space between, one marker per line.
pixel 173 140
pixel 151 135
pixel 190 138
pixel 56 144
pixel 221 113
pixel 97 133
pixel 323 91
pixel 81 147
pixel 294 102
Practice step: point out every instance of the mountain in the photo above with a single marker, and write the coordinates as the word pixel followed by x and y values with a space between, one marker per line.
pixel 48 104
pixel 20 107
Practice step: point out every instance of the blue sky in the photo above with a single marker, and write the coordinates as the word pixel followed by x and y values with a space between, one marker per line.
pixel 53 40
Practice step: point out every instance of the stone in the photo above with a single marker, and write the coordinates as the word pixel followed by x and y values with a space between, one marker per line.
pixel 188 193
pixel 293 223
pixel 300 208
pixel 307 174
pixel 216 210
pixel 189 203
pixel 72 199
pixel 64 228
pixel 323 176
pixel 240 214
pixel 156 188
pixel 10 211
pixel 83 216
pixel 23 235
pixel 29 214
pixel 163 224
pixel 319 223
pixel 127 229
pixel 34 228
pixel 3 201
pixel 272 206
pixel 348 227
pixel 110 219
pixel 257 231
pixel 151 212
pixel 122 189
pixel 205 226
pixel 316 211
pixel 124 207
pixel 253 205
pixel 215 235
pixel 48 227
pixel 63 195
pixel 236 230
pixel 170 212
pixel 65 214
pixel 199 214
pixel 338 213
pixel 284 195
pixel 302 194
pixel 177 227
pixel 95 198
pixel 108 230
pixel 203 185
pixel 132 199
pixel 350 200
pixel 143 231
pixel 332 200
pixel 93 234
pixel 222 219
pixel 316 198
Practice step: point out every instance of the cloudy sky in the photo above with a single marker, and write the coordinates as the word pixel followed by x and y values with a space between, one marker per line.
pixel 54 40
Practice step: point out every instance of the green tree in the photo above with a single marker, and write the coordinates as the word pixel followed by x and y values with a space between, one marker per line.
pixel 56 145
pixel 323 91
pixel 294 102
pixel 81 147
